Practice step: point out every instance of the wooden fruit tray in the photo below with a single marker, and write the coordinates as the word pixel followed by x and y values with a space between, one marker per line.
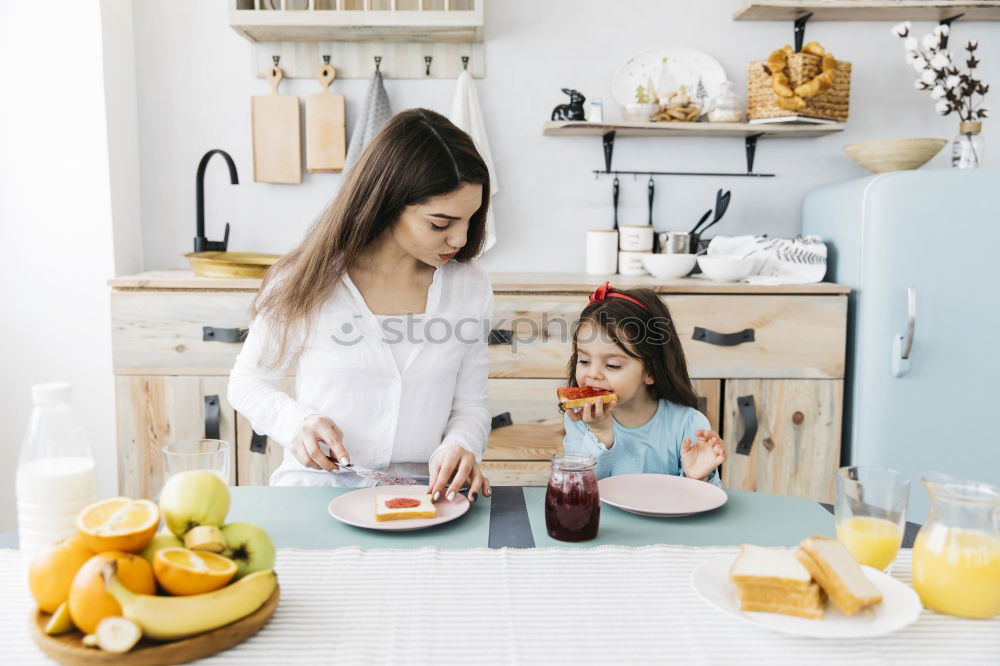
pixel 68 648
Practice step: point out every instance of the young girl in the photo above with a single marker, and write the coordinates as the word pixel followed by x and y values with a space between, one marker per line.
pixel 379 311
pixel 625 342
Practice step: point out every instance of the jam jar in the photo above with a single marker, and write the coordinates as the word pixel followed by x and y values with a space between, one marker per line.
pixel 572 503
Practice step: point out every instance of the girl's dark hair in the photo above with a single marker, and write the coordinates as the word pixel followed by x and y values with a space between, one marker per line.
pixel 647 335
pixel 418 154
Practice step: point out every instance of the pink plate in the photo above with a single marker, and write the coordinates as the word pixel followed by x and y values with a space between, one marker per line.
pixel 662 495
pixel 358 508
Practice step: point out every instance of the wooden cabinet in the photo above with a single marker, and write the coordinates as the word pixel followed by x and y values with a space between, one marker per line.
pixel 783 436
pixel 153 411
pixel 175 339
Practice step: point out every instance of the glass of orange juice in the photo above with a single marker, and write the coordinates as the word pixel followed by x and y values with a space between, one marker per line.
pixel 870 513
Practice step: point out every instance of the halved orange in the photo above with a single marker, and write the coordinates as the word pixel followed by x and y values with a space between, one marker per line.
pixel 118 523
pixel 181 571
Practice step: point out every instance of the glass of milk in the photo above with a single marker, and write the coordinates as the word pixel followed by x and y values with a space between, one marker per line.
pixel 55 474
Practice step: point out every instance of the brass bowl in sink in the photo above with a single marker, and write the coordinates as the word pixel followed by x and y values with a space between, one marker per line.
pixel 231 264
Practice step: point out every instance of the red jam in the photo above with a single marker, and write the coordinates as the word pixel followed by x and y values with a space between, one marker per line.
pixel 402 503
pixel 572 502
pixel 580 392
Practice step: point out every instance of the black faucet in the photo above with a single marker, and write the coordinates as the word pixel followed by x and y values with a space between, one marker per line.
pixel 202 244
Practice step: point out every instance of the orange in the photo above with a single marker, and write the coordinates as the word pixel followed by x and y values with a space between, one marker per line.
pixel 53 568
pixel 89 601
pixel 118 523
pixel 181 571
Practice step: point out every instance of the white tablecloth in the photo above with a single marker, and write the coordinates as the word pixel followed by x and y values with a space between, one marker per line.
pixel 549 605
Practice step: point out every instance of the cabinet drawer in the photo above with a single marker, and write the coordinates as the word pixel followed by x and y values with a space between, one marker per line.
pixel 161 332
pixel 792 336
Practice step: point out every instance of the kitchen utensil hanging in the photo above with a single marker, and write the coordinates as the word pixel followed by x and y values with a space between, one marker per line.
pixel 277 143
pixel 326 135
pixel 614 200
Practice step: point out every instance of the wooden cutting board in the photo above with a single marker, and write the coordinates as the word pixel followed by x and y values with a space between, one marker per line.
pixel 326 135
pixel 68 649
pixel 277 143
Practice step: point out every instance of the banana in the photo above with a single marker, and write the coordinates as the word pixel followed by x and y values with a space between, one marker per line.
pixel 205 537
pixel 172 618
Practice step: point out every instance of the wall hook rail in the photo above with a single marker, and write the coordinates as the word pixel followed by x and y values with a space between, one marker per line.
pixel 947 22
pixel 800 30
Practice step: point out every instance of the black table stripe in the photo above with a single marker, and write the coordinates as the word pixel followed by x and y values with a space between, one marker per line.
pixel 509 524
pixel 909 534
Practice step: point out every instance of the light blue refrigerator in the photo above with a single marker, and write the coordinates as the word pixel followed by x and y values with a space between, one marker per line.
pixel 921 252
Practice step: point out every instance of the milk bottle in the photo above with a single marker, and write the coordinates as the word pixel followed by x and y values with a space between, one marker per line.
pixel 55 474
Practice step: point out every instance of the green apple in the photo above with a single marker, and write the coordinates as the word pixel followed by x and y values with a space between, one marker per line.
pixel 193 498
pixel 160 541
pixel 248 546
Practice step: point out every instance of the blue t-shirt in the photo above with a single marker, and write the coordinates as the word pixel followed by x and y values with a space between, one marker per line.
pixel 652 448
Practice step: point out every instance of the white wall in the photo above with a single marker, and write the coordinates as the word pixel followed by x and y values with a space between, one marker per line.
pixel 55 215
pixel 194 86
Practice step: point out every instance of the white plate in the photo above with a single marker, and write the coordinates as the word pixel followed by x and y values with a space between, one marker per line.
pixel 668 69
pixel 660 495
pixel 358 508
pixel 900 606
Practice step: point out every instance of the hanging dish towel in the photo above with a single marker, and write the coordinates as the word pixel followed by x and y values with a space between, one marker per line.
pixel 776 260
pixel 373 114
pixel 467 116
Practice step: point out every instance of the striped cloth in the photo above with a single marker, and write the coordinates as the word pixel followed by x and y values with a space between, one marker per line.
pixel 610 604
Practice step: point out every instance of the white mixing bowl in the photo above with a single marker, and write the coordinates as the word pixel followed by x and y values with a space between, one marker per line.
pixel 725 268
pixel 668 266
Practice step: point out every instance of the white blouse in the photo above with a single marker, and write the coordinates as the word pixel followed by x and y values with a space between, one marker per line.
pixel 345 370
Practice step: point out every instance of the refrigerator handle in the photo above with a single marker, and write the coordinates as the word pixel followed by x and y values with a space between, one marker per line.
pixel 902 345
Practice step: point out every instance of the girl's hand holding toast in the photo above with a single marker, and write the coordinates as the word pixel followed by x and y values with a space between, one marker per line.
pixel 598 418
pixel 700 459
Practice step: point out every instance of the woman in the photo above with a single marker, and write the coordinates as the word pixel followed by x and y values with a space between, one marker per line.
pixel 382 315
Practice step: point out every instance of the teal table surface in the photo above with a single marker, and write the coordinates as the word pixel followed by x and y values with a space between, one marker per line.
pixel 298 518
pixel 747 517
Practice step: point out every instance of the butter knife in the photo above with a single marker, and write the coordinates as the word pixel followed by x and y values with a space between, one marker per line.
pixel 387 478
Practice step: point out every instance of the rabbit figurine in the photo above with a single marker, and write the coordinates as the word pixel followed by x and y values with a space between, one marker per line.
pixel 573 110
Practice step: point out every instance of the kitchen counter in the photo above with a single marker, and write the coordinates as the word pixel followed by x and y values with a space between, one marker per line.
pixel 502 282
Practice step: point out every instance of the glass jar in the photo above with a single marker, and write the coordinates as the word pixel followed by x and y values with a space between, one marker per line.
pixel 967 149
pixel 727 106
pixel 956 556
pixel 572 503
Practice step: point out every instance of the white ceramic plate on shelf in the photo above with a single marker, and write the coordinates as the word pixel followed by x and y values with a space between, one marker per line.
pixel 668 69
pixel 660 495
pixel 900 606
pixel 357 508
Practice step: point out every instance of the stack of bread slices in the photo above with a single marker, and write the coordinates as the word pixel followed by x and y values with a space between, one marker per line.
pixel 773 580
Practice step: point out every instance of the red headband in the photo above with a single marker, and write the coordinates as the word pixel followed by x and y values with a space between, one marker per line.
pixel 607 291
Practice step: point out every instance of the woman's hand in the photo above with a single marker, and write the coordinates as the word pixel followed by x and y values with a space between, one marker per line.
pixel 305 446
pixel 700 459
pixel 460 466
pixel 598 418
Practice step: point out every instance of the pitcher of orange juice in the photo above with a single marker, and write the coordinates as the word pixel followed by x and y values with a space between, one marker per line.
pixel 956 556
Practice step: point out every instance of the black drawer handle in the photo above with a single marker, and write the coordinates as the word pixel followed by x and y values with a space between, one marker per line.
pixel 723 339
pixel 258 442
pixel 748 412
pixel 212 413
pixel 501 336
pixel 501 420
pixel 213 334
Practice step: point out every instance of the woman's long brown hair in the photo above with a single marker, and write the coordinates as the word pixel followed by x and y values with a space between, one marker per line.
pixel 644 334
pixel 418 154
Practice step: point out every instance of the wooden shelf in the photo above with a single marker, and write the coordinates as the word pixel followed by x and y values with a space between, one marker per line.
pixel 584 128
pixel 430 26
pixel 867 10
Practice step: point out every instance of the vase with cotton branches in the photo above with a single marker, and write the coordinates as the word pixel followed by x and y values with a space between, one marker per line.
pixel 954 91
